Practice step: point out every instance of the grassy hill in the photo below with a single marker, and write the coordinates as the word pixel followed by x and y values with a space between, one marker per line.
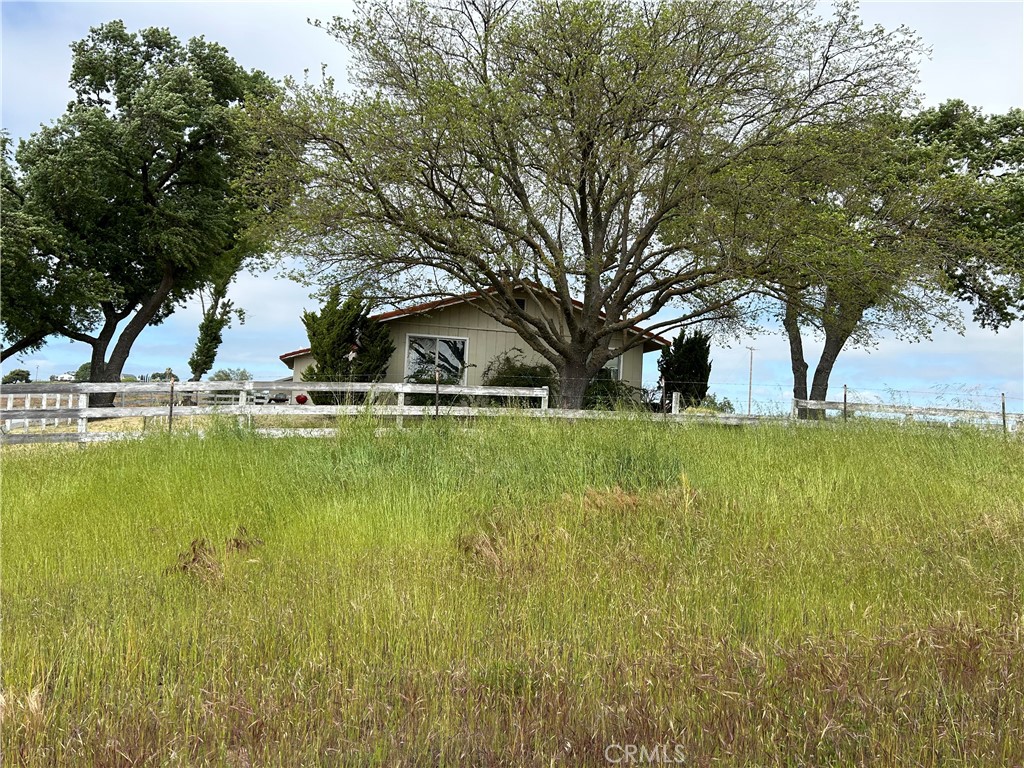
pixel 517 593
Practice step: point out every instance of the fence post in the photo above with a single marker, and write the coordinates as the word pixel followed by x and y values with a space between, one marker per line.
pixel 401 404
pixel 437 391
pixel 544 399
pixel 1004 412
pixel 844 402
pixel 170 410
pixel 28 404
pixel 83 421
pixel 243 398
pixel 675 402
pixel 10 406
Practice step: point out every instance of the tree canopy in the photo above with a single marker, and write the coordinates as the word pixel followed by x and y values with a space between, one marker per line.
pixel 125 203
pixel 988 150
pixel 551 148
pixel 231 374
pixel 37 293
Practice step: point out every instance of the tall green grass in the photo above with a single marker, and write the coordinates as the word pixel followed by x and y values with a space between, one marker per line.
pixel 515 593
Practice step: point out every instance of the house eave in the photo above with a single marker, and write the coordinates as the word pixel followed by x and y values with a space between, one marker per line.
pixel 652 341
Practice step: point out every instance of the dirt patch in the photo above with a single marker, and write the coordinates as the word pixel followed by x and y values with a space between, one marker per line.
pixel 199 561
pixel 203 562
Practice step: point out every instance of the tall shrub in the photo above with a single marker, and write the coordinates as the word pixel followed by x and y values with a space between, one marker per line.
pixel 346 344
pixel 510 369
pixel 685 367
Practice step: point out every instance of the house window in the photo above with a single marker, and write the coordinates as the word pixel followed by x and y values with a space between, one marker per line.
pixel 521 303
pixel 614 368
pixel 424 354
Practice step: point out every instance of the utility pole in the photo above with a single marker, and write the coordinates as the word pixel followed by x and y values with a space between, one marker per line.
pixel 750 382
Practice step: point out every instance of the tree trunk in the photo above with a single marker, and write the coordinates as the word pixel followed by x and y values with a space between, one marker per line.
pixel 572 384
pixel 100 371
pixel 834 342
pixel 105 371
pixel 797 361
pixel 838 327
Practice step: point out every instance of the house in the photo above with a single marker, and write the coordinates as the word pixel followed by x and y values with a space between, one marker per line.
pixel 455 335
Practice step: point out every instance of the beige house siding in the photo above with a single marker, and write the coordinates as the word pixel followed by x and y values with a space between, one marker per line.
pixel 300 364
pixel 486 337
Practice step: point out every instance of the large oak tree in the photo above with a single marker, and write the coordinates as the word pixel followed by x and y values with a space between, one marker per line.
pixel 881 229
pixel 547 147
pixel 127 198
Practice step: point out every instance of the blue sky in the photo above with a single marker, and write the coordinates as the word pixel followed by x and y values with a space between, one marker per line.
pixel 977 55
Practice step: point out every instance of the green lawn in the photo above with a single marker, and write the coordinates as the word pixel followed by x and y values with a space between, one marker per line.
pixel 517 593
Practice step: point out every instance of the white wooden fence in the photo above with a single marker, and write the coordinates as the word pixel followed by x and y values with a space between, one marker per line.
pixel 845 409
pixel 27 410
pixel 32 413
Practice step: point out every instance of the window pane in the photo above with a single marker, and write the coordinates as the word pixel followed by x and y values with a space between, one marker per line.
pixel 613 366
pixel 421 356
pixel 451 359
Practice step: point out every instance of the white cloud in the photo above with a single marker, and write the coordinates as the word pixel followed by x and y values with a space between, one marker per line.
pixel 272 36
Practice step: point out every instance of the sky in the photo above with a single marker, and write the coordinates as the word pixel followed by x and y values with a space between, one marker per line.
pixel 977 54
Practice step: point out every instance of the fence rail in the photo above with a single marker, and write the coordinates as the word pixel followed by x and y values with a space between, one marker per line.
pixel 846 409
pixel 245 400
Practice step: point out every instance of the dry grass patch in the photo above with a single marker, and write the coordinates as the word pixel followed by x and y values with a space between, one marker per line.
pixel 199 561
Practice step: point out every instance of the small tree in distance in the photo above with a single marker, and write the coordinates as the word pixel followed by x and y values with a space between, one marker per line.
pixel 685 367
pixel 17 376
pixel 231 374
pixel 713 403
